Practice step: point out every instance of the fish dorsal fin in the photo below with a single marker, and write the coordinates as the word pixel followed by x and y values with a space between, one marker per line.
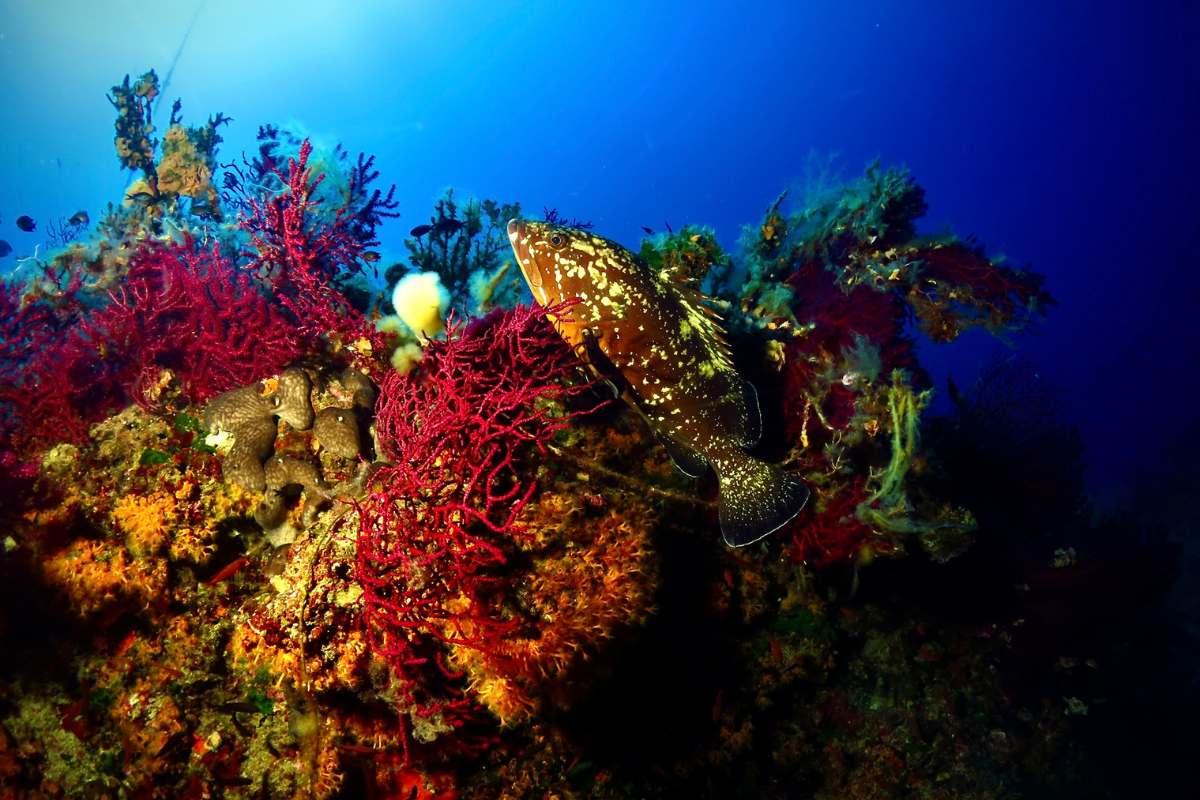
pixel 705 320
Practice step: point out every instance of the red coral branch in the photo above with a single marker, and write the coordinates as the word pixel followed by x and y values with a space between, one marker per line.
pixel 960 286
pixel 303 251
pixel 180 309
pixel 440 519
pixel 195 313
pixel 832 533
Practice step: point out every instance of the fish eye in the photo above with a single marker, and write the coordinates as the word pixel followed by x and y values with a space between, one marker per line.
pixel 557 240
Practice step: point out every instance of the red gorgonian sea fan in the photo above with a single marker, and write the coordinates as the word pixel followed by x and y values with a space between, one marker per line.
pixel 303 251
pixel 192 311
pixel 462 433
pixel 179 308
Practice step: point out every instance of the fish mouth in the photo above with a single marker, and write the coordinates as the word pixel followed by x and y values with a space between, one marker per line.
pixel 525 260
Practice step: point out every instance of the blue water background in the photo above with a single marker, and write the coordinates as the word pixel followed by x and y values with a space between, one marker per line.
pixel 1062 134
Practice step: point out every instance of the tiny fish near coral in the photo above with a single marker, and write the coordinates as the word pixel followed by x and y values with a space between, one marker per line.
pixel 651 334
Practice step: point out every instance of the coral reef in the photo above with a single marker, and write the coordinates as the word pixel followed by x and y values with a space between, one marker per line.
pixel 826 293
pixel 245 556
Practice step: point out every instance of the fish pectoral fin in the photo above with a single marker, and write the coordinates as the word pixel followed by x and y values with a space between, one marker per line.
pixel 757 498
pixel 606 371
pixel 687 460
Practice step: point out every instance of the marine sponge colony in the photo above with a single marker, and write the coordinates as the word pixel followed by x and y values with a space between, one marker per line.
pixel 244 427
pixel 277 566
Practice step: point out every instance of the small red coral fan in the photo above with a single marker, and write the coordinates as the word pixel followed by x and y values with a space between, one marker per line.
pixel 838 316
pixel 820 398
pixel 960 286
pixel 194 312
pixel 830 532
pixel 440 519
pixel 179 308
pixel 302 255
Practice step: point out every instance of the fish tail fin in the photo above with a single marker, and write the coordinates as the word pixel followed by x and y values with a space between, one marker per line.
pixel 757 498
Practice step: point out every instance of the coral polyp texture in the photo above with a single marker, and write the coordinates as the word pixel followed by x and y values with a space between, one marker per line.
pixel 261 541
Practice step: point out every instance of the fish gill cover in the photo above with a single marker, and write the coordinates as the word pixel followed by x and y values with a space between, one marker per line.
pixel 248 551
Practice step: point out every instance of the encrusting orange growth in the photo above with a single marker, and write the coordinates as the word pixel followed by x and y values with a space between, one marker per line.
pixel 574 599
pixel 304 632
pixel 145 521
pixel 344 670
pixel 96 575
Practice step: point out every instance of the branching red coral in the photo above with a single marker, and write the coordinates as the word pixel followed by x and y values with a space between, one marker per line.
pixel 961 286
pixel 830 532
pixel 839 313
pixel 839 319
pixel 302 250
pixel 180 308
pixel 441 518
pixel 194 312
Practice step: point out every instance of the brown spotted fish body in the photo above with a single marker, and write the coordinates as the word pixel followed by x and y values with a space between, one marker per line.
pixel 655 337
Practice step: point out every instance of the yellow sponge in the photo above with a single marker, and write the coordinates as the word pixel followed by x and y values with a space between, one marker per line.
pixel 421 302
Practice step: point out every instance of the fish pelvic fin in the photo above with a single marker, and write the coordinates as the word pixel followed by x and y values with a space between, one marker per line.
pixel 757 498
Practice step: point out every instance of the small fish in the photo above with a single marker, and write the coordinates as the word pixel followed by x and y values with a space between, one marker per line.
pixel 649 231
pixel 449 226
pixel 652 333
pixel 79 218
pixel 5 248
pixel 446 225
pixel 26 224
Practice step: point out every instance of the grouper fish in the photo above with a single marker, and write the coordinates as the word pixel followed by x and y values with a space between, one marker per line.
pixel 654 336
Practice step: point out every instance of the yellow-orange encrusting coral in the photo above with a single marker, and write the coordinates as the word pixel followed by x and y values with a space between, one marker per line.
pixel 575 597
pixel 304 633
pixel 183 169
pixel 145 521
pixel 96 575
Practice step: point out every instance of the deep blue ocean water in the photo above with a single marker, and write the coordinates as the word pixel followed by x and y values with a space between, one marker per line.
pixel 1062 135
